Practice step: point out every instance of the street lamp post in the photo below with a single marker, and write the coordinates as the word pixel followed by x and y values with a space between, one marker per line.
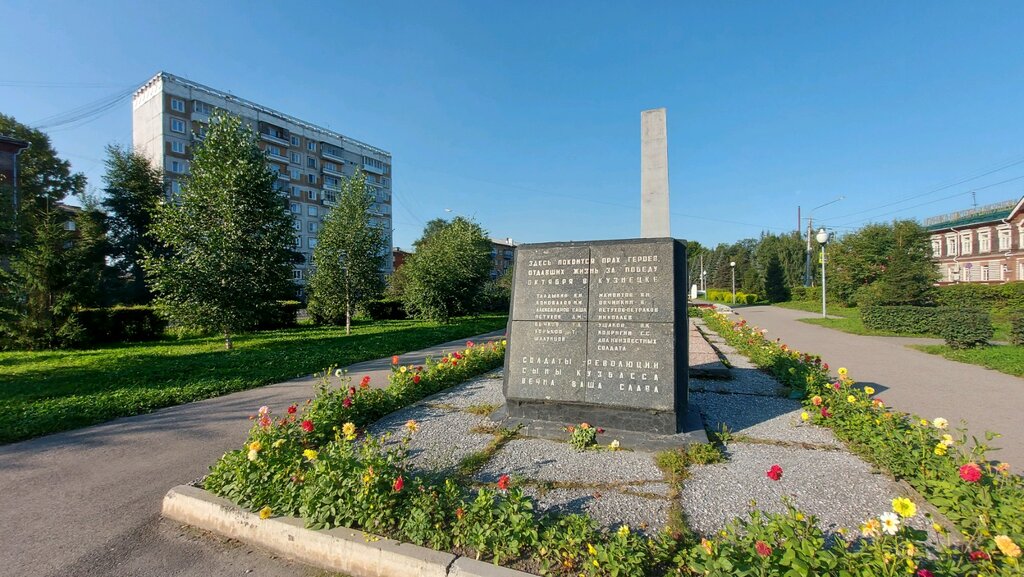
pixel 822 238
pixel 732 266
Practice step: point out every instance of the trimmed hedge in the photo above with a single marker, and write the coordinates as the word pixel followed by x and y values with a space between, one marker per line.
pixel 1017 328
pixel 965 328
pixel 284 317
pixel 904 319
pixel 121 324
pixel 724 296
pixel 999 296
pixel 385 310
pixel 805 293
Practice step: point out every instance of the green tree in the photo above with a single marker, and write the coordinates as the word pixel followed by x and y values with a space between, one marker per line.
pixel 448 271
pixel 94 280
pixel 134 188
pixel 775 288
pixel 882 264
pixel 348 258
pixel 227 245
pixel 909 275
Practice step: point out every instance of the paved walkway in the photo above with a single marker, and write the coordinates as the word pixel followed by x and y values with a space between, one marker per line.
pixel 87 502
pixel 911 380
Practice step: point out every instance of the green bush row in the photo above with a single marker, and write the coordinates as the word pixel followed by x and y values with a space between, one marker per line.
pixel 385 310
pixel 726 297
pixel 961 327
pixel 996 296
pixel 285 316
pixel 121 324
pixel 1017 328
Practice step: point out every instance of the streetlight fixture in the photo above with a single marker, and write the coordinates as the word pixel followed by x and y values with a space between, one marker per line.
pixel 822 238
pixel 810 224
pixel 732 266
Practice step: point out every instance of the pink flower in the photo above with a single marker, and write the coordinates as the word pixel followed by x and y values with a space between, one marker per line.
pixel 469 344
pixel 970 472
pixel 775 473
pixel 399 483
pixel 979 556
pixel 763 549
pixel 347 402
pixel 825 412
pixel 352 391
pixel 365 383
pixel 924 573
pixel 265 421
pixel 503 482
pixel 307 426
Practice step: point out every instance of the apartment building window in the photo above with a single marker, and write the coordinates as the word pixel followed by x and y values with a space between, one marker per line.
pixel 298 242
pixel 177 166
pixel 951 246
pixel 295 208
pixel 329 196
pixel 984 272
pixel 314 226
pixel 178 125
pixel 330 166
pixel 201 107
pixel 177 105
pixel 936 247
pixel 311 146
pixel 311 242
pixel 274 150
pixel 177 147
pixel 297 274
pixel 1004 239
pixel 295 174
pixel 311 194
pixel 295 141
pixel 984 241
pixel 296 158
pixel 311 178
pixel 175 187
pixel 385 181
pixel 965 243
pixel 310 162
pixel 332 150
pixel 332 182
pixel 312 211
pixel 297 225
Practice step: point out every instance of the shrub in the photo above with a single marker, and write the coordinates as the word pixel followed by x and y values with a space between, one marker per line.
pixel 750 299
pixel 121 324
pixel 1001 296
pixel 284 316
pixel 904 319
pixel 965 328
pixel 805 293
pixel 1017 328
pixel 385 309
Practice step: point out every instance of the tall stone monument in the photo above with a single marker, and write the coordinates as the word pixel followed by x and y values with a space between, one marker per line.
pixel 598 331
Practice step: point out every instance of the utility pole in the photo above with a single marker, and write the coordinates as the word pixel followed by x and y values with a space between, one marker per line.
pixel 807 261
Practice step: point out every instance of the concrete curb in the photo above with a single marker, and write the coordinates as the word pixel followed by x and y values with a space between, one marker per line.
pixel 344 550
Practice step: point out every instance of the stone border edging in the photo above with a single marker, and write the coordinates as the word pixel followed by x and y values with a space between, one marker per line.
pixel 341 549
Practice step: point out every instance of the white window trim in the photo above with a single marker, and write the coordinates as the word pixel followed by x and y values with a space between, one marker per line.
pixel 178 121
pixel 180 104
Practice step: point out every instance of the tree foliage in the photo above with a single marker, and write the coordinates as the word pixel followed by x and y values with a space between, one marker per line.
pixel 775 287
pixel 348 258
pixel 883 264
pixel 227 245
pixel 134 189
pixel 448 270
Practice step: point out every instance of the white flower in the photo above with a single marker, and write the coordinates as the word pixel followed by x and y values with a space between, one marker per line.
pixel 264 410
pixel 253 454
pixel 614 444
pixel 940 423
pixel 337 373
pixel 890 523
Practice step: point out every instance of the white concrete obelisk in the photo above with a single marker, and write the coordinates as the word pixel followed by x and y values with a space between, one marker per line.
pixel 653 175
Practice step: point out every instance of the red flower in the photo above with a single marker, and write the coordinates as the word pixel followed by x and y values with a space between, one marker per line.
pixel 347 402
pixel 416 378
pixel 419 368
pixel 924 573
pixel 503 482
pixel 825 366
pixel 825 412
pixel 459 513
pixel 444 360
pixel 457 355
pixel 352 391
pixel 600 431
pixel 970 472
pixel 365 383
pixel 469 344
pixel 399 483
pixel 775 473
pixel 292 409
pixel 836 385
pixel 763 549
pixel 454 362
pixel 979 556
pixel 307 426
pixel 394 360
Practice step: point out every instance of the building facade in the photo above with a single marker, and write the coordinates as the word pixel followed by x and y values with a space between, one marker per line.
pixel 9 150
pixel 170 116
pixel 503 253
pixel 980 245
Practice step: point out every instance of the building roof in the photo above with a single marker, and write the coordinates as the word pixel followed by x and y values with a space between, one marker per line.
pixel 13 141
pixel 504 242
pixel 989 213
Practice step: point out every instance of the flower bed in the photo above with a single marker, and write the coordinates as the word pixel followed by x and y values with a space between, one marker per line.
pixel 983 499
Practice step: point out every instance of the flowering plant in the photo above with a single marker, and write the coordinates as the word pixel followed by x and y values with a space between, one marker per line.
pixel 582 436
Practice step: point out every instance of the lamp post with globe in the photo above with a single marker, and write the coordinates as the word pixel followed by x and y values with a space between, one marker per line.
pixel 732 266
pixel 822 237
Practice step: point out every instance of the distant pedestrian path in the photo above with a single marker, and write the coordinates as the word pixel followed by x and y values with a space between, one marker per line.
pixel 910 380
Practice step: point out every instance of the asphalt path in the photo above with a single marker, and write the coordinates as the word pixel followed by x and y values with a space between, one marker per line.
pixel 910 380
pixel 87 502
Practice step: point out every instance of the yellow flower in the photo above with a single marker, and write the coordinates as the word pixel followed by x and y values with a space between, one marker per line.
pixel 256 446
pixel 851 399
pixel 404 369
pixel 591 550
pixel 911 550
pixel 706 545
pixel 842 371
pixel 623 531
pixel 412 426
pixel 349 430
pixel 941 449
pixel 1007 546
pixel 940 423
pixel 596 564
pixel 799 516
pixel 277 443
pixel 869 390
pixel 310 454
pixel 938 528
pixel 904 507
pixel 924 422
pixel 265 513
pixel 804 416
pixel 947 439
pixel 504 342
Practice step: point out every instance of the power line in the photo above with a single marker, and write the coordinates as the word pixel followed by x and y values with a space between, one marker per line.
pixel 34 84
pixel 85 113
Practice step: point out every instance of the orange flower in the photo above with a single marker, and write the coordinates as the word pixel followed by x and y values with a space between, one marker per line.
pixel 394 360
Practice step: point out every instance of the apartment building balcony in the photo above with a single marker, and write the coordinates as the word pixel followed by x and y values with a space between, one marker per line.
pixel 332 154
pixel 269 137
pixel 333 171
pixel 275 156
pixel 371 168
pixel 332 187
pixel 378 209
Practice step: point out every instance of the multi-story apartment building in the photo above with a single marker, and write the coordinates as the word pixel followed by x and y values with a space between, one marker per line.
pixel 503 254
pixel 170 115
pixel 980 245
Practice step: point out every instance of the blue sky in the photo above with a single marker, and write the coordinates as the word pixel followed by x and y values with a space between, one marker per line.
pixel 527 117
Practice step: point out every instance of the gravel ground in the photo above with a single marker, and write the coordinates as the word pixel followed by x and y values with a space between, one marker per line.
pixel 483 390
pixel 744 381
pixel 444 438
pixel 837 487
pixel 545 460
pixel 609 508
pixel 769 418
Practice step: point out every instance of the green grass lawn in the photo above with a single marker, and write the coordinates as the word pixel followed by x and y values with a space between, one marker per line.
pixel 1003 358
pixel 45 392
pixel 850 321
